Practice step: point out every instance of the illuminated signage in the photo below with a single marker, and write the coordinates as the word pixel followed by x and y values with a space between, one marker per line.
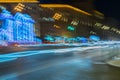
pixel 71 28
pixel 56 26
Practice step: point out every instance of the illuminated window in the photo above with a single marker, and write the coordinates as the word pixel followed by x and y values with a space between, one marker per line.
pixel 98 24
pixel 65 19
pixel 57 16
pixel 74 22
pixel 56 26
pixel 113 29
pixel 17 28
pixel 118 31
pixel 71 28
pixel 19 7
pixel 105 27
pixel 92 32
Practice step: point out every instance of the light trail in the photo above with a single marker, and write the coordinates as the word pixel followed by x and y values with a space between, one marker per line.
pixel 13 56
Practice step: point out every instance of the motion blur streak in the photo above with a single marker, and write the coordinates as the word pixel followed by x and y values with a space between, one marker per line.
pixel 29 53
pixel 6 59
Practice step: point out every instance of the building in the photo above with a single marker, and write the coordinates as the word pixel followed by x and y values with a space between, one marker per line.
pixel 67 21
pixel 16 28
pixel 30 8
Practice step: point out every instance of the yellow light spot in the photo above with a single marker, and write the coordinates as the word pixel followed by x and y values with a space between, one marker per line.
pixel 113 29
pixel 57 16
pixel 98 24
pixel 56 26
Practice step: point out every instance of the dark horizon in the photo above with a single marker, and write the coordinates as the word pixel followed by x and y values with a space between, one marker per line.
pixel 108 7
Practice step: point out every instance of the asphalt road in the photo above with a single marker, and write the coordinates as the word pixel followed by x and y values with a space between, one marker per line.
pixel 74 65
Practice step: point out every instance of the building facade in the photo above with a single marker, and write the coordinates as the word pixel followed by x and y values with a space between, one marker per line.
pixel 64 21
pixel 16 28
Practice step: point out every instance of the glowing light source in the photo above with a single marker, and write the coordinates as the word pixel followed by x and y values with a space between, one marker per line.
pixel 6 25
pixel 24 30
pixel 115 30
pixel 49 19
pixel 94 38
pixel 92 32
pixel 74 22
pixel 98 24
pixel 18 28
pixel 19 7
pixel 71 28
pixel 56 26
pixel 105 27
pixel 64 6
pixel 5 14
pixel 81 39
pixel 49 38
pixel 57 16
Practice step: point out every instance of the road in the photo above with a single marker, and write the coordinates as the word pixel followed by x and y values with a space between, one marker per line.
pixel 71 65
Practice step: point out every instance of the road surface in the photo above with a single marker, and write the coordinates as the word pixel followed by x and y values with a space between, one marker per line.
pixel 71 65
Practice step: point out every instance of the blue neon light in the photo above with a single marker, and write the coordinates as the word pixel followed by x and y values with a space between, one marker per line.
pixel 94 38
pixel 81 39
pixel 6 15
pixel 17 28
pixel 49 38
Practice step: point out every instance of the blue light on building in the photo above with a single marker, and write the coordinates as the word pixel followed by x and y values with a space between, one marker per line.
pixel 23 27
pixel 81 39
pixel 6 20
pixel 94 38
pixel 17 28
pixel 49 38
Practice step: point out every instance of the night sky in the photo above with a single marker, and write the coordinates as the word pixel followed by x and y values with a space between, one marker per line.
pixel 111 8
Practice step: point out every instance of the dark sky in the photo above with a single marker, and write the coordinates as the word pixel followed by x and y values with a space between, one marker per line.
pixel 110 8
